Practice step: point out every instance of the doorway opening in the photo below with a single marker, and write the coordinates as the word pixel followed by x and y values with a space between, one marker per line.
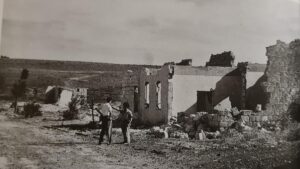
pixel 205 101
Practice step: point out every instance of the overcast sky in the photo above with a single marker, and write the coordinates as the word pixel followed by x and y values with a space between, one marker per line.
pixel 146 31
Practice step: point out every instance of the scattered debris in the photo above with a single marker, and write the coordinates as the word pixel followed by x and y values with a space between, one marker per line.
pixel 158 152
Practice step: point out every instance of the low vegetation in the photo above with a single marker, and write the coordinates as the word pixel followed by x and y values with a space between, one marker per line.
pixel 19 88
pixel 72 112
pixel 31 109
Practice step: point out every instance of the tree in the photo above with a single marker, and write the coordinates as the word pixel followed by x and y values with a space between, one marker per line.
pixel 2 81
pixel 19 88
pixel 24 74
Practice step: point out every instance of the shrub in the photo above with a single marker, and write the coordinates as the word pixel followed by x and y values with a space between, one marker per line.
pixel 72 112
pixel 31 110
pixel 19 88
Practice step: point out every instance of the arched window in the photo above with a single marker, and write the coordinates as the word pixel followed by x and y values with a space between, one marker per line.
pixel 158 94
pixel 147 95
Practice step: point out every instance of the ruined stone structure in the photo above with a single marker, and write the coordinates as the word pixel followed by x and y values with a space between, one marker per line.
pixel 184 88
pixel 63 95
pixel 283 78
pixel 225 59
pixel 124 93
pixel 130 90
pixel 185 62
pixel 255 93
pixel 155 95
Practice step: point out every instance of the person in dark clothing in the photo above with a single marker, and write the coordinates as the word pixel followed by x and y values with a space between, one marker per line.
pixel 126 118
pixel 106 119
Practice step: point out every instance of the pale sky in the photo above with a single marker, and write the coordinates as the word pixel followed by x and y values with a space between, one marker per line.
pixel 146 31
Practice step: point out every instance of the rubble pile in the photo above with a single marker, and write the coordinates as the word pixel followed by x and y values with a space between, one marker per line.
pixel 255 119
pixel 158 132
pixel 203 125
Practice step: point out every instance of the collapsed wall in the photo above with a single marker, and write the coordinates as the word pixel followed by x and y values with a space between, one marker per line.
pixel 283 78
pixel 225 59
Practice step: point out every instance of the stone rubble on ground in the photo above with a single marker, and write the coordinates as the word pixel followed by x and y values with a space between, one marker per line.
pixel 203 125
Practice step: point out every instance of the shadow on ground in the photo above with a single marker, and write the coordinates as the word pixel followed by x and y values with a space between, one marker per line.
pixel 80 127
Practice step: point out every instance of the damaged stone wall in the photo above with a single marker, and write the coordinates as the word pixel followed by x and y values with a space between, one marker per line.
pixel 187 81
pixel 255 93
pixel 225 59
pixel 100 94
pixel 149 113
pixel 129 84
pixel 283 78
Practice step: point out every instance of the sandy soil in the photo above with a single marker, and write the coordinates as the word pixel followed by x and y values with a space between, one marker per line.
pixel 41 142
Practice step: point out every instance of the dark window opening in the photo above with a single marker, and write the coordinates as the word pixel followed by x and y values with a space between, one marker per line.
pixel 204 101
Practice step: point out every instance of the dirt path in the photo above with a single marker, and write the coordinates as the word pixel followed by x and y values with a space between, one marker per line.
pixel 26 146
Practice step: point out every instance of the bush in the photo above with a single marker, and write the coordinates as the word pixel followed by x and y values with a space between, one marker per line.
pixel 31 110
pixel 73 112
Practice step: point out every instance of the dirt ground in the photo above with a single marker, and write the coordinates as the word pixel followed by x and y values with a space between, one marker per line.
pixel 47 142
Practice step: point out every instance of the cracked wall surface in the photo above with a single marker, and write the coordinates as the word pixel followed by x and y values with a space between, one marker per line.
pixel 283 78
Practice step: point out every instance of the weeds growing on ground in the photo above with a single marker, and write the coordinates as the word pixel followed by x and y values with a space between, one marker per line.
pixel 73 112
pixel 31 110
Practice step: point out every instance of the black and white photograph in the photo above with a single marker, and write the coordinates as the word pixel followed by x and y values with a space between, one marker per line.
pixel 149 84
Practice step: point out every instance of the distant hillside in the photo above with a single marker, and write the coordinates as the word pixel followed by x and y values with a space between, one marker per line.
pixel 43 73
pixel 69 65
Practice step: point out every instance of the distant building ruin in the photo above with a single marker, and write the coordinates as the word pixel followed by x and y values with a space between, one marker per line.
pixel 63 95
pixel 225 59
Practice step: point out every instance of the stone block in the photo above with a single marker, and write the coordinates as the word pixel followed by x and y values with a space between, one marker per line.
pixel 189 127
pixel 245 118
pixel 223 124
pixel 252 118
pixel 214 123
pixel 178 134
pixel 217 118
pixel 249 123
pixel 235 111
pixel 264 118
pixel 258 118
pixel 246 112
pixel 270 118
pixel 254 124
pixel 200 135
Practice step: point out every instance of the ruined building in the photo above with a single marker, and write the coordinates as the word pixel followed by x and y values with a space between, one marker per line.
pixel 225 59
pixel 63 95
pixel 221 85
pixel 282 81
pixel 185 88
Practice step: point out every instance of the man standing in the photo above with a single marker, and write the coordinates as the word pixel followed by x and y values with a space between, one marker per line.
pixel 126 118
pixel 105 112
